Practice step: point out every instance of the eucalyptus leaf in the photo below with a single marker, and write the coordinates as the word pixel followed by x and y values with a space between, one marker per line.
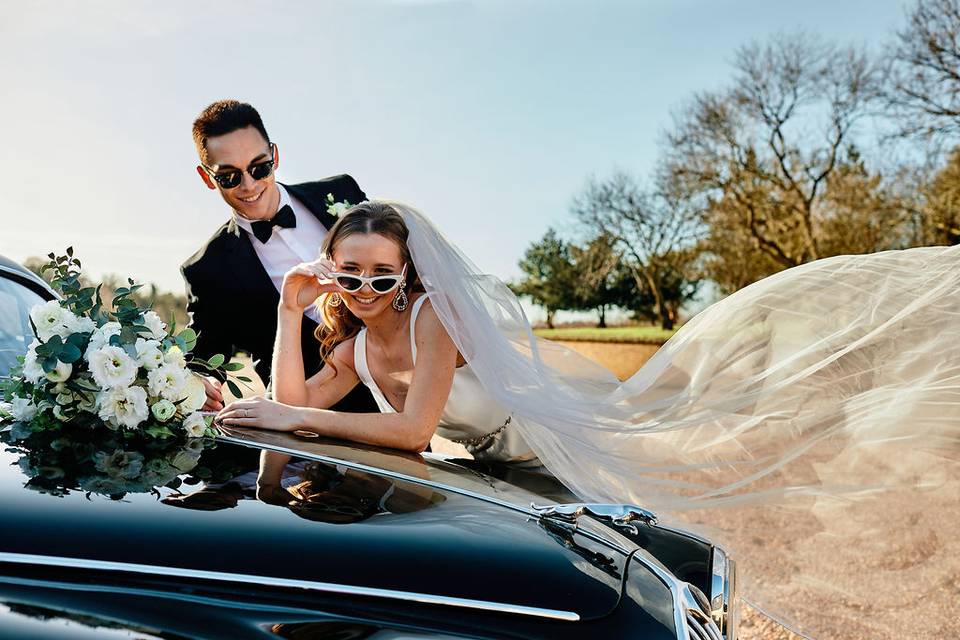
pixel 216 360
pixel 234 389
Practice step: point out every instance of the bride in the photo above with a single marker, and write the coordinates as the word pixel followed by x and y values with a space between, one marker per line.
pixel 811 421
pixel 380 329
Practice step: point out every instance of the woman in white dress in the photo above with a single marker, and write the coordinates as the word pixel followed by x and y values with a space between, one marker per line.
pixel 379 330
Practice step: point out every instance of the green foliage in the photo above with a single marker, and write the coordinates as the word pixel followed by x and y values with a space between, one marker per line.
pixel 550 276
pixel 629 334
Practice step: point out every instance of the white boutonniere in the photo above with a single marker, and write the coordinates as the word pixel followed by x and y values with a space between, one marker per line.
pixel 335 208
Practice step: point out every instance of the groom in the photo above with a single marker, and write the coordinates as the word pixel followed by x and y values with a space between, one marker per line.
pixel 233 281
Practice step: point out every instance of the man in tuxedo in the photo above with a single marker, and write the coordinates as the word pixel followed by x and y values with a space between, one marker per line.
pixel 233 282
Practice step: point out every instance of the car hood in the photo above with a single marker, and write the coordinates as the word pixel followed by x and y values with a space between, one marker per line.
pixel 319 521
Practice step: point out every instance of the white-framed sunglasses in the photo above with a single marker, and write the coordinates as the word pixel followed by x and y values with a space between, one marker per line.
pixel 352 283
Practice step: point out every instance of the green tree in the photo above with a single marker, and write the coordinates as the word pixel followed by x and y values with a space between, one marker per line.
pixel 550 277
pixel 599 285
pixel 652 228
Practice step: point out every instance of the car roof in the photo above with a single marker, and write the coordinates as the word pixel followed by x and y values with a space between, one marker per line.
pixel 16 271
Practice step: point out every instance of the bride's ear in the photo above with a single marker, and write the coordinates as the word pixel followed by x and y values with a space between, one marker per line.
pixel 206 178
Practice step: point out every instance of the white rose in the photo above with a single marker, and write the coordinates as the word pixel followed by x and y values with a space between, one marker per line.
pixel 168 382
pixel 61 372
pixel 50 319
pixel 32 371
pixel 149 355
pixel 101 337
pixel 175 357
pixel 112 367
pixel 194 425
pixel 22 409
pixel 156 326
pixel 163 410
pixel 81 324
pixel 196 395
pixel 123 406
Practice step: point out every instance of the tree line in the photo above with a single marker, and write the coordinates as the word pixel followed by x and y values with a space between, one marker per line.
pixel 813 149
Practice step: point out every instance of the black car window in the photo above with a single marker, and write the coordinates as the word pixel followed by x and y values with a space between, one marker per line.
pixel 15 332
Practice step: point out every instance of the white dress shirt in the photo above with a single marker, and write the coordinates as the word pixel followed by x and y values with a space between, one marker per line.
pixel 287 248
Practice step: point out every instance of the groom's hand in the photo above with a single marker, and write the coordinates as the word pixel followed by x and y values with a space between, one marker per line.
pixel 214 394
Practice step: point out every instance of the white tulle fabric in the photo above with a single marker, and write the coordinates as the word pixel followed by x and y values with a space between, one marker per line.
pixel 810 421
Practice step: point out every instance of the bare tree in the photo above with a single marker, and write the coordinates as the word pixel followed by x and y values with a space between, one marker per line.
pixel 758 157
pixel 651 227
pixel 923 65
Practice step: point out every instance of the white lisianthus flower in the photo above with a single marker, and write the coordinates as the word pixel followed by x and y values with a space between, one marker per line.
pixel 168 382
pixel 194 425
pixel 123 406
pixel 101 337
pixel 149 355
pixel 22 409
pixel 156 326
pixel 175 357
pixel 32 371
pixel 196 395
pixel 61 372
pixel 163 410
pixel 81 324
pixel 112 367
pixel 59 414
pixel 50 319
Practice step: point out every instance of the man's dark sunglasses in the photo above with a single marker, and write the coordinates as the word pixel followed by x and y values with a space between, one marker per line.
pixel 232 179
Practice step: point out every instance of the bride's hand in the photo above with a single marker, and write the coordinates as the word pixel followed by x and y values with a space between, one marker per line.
pixel 258 412
pixel 304 283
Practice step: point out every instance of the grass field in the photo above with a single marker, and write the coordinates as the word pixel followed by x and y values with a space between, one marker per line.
pixel 610 334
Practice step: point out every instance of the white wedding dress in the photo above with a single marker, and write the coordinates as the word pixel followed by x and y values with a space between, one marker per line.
pixel 471 417
pixel 810 422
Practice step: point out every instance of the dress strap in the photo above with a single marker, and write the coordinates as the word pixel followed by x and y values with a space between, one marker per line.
pixel 414 312
pixel 363 372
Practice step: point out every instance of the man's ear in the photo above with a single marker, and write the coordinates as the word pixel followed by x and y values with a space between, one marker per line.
pixel 276 156
pixel 206 178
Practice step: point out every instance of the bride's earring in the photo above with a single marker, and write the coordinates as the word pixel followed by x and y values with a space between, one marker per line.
pixel 335 300
pixel 400 300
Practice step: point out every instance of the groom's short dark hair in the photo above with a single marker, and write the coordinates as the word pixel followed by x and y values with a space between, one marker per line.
pixel 223 117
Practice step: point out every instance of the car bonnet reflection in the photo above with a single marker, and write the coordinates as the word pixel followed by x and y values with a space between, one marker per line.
pixel 313 490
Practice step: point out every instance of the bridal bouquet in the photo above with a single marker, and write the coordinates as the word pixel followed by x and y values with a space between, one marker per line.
pixel 119 367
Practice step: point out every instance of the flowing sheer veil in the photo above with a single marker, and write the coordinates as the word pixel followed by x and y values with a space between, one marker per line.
pixel 811 422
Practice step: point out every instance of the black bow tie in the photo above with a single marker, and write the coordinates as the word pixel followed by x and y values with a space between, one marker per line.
pixel 264 228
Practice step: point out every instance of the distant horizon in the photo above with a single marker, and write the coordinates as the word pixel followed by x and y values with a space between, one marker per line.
pixel 488 116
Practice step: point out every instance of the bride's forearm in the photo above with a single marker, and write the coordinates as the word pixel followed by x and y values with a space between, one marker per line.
pixel 287 373
pixel 394 430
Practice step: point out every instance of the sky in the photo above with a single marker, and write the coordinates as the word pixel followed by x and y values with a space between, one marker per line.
pixel 488 115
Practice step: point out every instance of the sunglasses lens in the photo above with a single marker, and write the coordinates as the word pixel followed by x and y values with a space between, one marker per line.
pixel 382 285
pixel 228 180
pixel 262 170
pixel 349 284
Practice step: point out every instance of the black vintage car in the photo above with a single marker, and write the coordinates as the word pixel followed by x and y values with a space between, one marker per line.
pixel 272 535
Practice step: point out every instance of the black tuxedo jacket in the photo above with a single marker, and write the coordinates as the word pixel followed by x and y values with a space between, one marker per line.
pixel 232 302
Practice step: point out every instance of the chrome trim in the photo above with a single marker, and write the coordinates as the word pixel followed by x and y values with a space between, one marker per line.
pixel 326 587
pixel 723 593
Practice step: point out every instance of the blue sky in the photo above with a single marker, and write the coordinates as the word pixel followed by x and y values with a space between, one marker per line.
pixel 487 115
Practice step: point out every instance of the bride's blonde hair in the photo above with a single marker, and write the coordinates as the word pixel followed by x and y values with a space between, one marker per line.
pixel 339 324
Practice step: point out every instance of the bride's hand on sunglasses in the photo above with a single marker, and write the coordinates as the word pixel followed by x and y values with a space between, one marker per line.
pixel 304 283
